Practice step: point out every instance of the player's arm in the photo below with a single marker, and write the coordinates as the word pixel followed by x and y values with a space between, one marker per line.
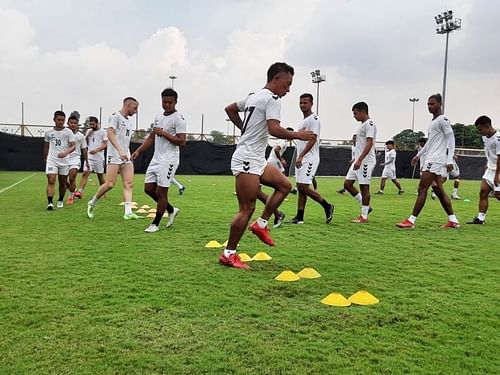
pixel 277 150
pixel 148 142
pixel 496 179
pixel 276 130
pixel 45 150
pixel 178 139
pixel 309 145
pixel 102 147
pixel 85 156
pixel 451 148
pixel 233 113
pixel 69 150
pixel 111 133
pixel 366 150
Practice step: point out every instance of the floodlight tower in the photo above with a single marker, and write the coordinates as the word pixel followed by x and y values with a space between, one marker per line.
pixel 445 25
pixel 317 78
pixel 173 78
pixel 413 101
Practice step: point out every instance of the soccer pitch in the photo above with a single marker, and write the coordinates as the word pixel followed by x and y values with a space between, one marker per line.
pixel 101 296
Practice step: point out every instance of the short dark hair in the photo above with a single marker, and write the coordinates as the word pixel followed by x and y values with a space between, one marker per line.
pixel 93 119
pixel 307 95
pixel 129 98
pixel 278 67
pixel 73 117
pixel 437 97
pixel 59 113
pixel 169 92
pixel 389 142
pixel 361 107
pixel 483 121
pixel 422 140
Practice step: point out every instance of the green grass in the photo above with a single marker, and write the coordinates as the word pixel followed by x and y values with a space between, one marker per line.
pixel 101 296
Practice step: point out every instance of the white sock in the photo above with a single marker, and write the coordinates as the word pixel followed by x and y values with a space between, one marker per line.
pixel 80 190
pixel 358 197
pixel 228 252
pixel 412 219
pixel 481 216
pixel 455 191
pixel 93 201
pixel 452 218
pixel 176 183
pixel 261 222
pixel 364 211
pixel 71 194
pixel 128 208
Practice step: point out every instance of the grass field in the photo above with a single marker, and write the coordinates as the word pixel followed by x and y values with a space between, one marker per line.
pixel 102 297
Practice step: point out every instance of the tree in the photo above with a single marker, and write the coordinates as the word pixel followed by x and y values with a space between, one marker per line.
pixel 407 139
pixel 467 136
pixel 219 137
pixel 191 137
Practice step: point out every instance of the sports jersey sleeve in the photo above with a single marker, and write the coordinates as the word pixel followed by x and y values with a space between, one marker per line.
pixel 241 104
pixel 370 130
pixel 47 137
pixel 180 125
pixel 273 109
pixel 497 145
pixel 71 136
pixel 113 122
pixel 315 125
pixel 84 143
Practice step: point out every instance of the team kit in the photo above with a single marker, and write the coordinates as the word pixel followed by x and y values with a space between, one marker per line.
pixel 258 116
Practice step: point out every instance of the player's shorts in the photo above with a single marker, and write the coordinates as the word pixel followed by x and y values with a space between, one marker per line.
pixel 389 173
pixel 306 173
pixel 455 172
pixel 161 174
pixel 489 177
pixel 74 163
pixel 96 166
pixel 117 160
pixel 250 166
pixel 363 175
pixel 277 164
pixel 56 168
pixel 438 169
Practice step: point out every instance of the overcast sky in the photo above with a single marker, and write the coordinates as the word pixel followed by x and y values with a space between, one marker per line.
pixel 87 54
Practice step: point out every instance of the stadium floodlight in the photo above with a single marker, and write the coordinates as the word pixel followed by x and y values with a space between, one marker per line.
pixel 413 101
pixel 317 78
pixel 172 78
pixel 445 25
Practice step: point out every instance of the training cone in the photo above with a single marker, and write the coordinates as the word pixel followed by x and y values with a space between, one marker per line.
pixel 133 203
pixel 122 204
pixel 141 211
pixel 151 215
pixel 144 206
pixel 363 298
pixel 309 273
pixel 287 276
pixel 336 299
pixel 213 244
pixel 261 256
pixel 245 257
pixel 152 210
pixel 224 244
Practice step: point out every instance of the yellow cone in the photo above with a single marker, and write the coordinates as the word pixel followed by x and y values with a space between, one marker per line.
pixel 262 256
pixel 152 210
pixel 133 203
pixel 309 273
pixel 141 211
pixel 287 276
pixel 151 215
pixel 245 257
pixel 336 299
pixel 363 298
pixel 213 244
pixel 144 206
pixel 224 244
pixel 122 204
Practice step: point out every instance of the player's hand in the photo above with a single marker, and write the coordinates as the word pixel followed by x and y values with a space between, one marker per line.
pixel 283 162
pixel 92 152
pixel 357 165
pixel 62 155
pixel 414 161
pixel 496 180
pixel 157 131
pixel 134 155
pixel 123 156
pixel 298 162
pixel 449 167
pixel 87 164
pixel 305 135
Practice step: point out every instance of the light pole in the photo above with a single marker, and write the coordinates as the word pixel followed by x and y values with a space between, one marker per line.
pixel 317 78
pixel 413 101
pixel 172 78
pixel 445 25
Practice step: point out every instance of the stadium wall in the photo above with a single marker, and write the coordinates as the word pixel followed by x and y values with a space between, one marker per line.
pixel 19 153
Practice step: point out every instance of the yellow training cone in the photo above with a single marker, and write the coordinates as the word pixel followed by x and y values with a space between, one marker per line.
pixel 336 299
pixel 122 204
pixel 145 206
pixel 133 203
pixel 262 256
pixel 287 276
pixel 309 273
pixel 363 298
pixel 213 244
pixel 153 210
pixel 151 215
pixel 141 211
pixel 224 244
pixel 245 257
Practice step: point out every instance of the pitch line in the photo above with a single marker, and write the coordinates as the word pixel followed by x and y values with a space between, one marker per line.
pixel 16 183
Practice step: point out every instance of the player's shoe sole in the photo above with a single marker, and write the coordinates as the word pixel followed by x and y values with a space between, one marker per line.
pixel 132 216
pixel 152 228
pixel 476 221
pixel 406 224
pixel 329 213
pixel 90 211
pixel 359 220
pixel 450 225
pixel 262 233
pixel 50 207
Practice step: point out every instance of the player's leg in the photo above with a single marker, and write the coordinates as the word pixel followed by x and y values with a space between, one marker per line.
pixel 83 182
pixel 398 185
pixel 277 213
pixel 277 180
pixel 63 184
pixel 456 184
pixel 111 175
pixel 71 184
pixel 315 183
pixel 445 203
pixel 51 185
pixel 127 175
pixel 305 191
pixel 484 193
pixel 382 186
pixel 100 177
pixel 426 180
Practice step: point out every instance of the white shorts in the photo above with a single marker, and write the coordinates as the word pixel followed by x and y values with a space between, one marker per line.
pixel 74 163
pixel 435 168
pixel 250 166
pixel 277 164
pixel 306 173
pixel 117 160
pixel 96 166
pixel 161 174
pixel 489 177
pixel 389 173
pixel 455 172
pixel 54 168
pixel 363 175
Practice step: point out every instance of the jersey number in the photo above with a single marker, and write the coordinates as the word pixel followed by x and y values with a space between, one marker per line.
pixel 58 142
pixel 248 114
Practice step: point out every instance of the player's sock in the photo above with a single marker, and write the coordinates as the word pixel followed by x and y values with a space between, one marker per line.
pixel 81 190
pixel 170 208
pixel 455 191
pixel 452 218
pixel 176 183
pixel 157 219
pixel 228 252
pixel 358 197
pixel 325 204
pixel 61 197
pixel 93 201
pixel 412 219
pixel 364 211
pixel 128 208
pixel 261 222
pixel 300 215
pixel 481 216
pixel 50 200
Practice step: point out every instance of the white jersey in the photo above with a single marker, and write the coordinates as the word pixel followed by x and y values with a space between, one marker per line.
pixel 438 148
pixel 95 139
pixel 80 143
pixel 492 149
pixel 59 141
pixel 390 159
pixel 258 108
pixel 123 129
pixel 353 152
pixel 173 124
pixel 272 158
pixel 310 123
pixel 366 130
